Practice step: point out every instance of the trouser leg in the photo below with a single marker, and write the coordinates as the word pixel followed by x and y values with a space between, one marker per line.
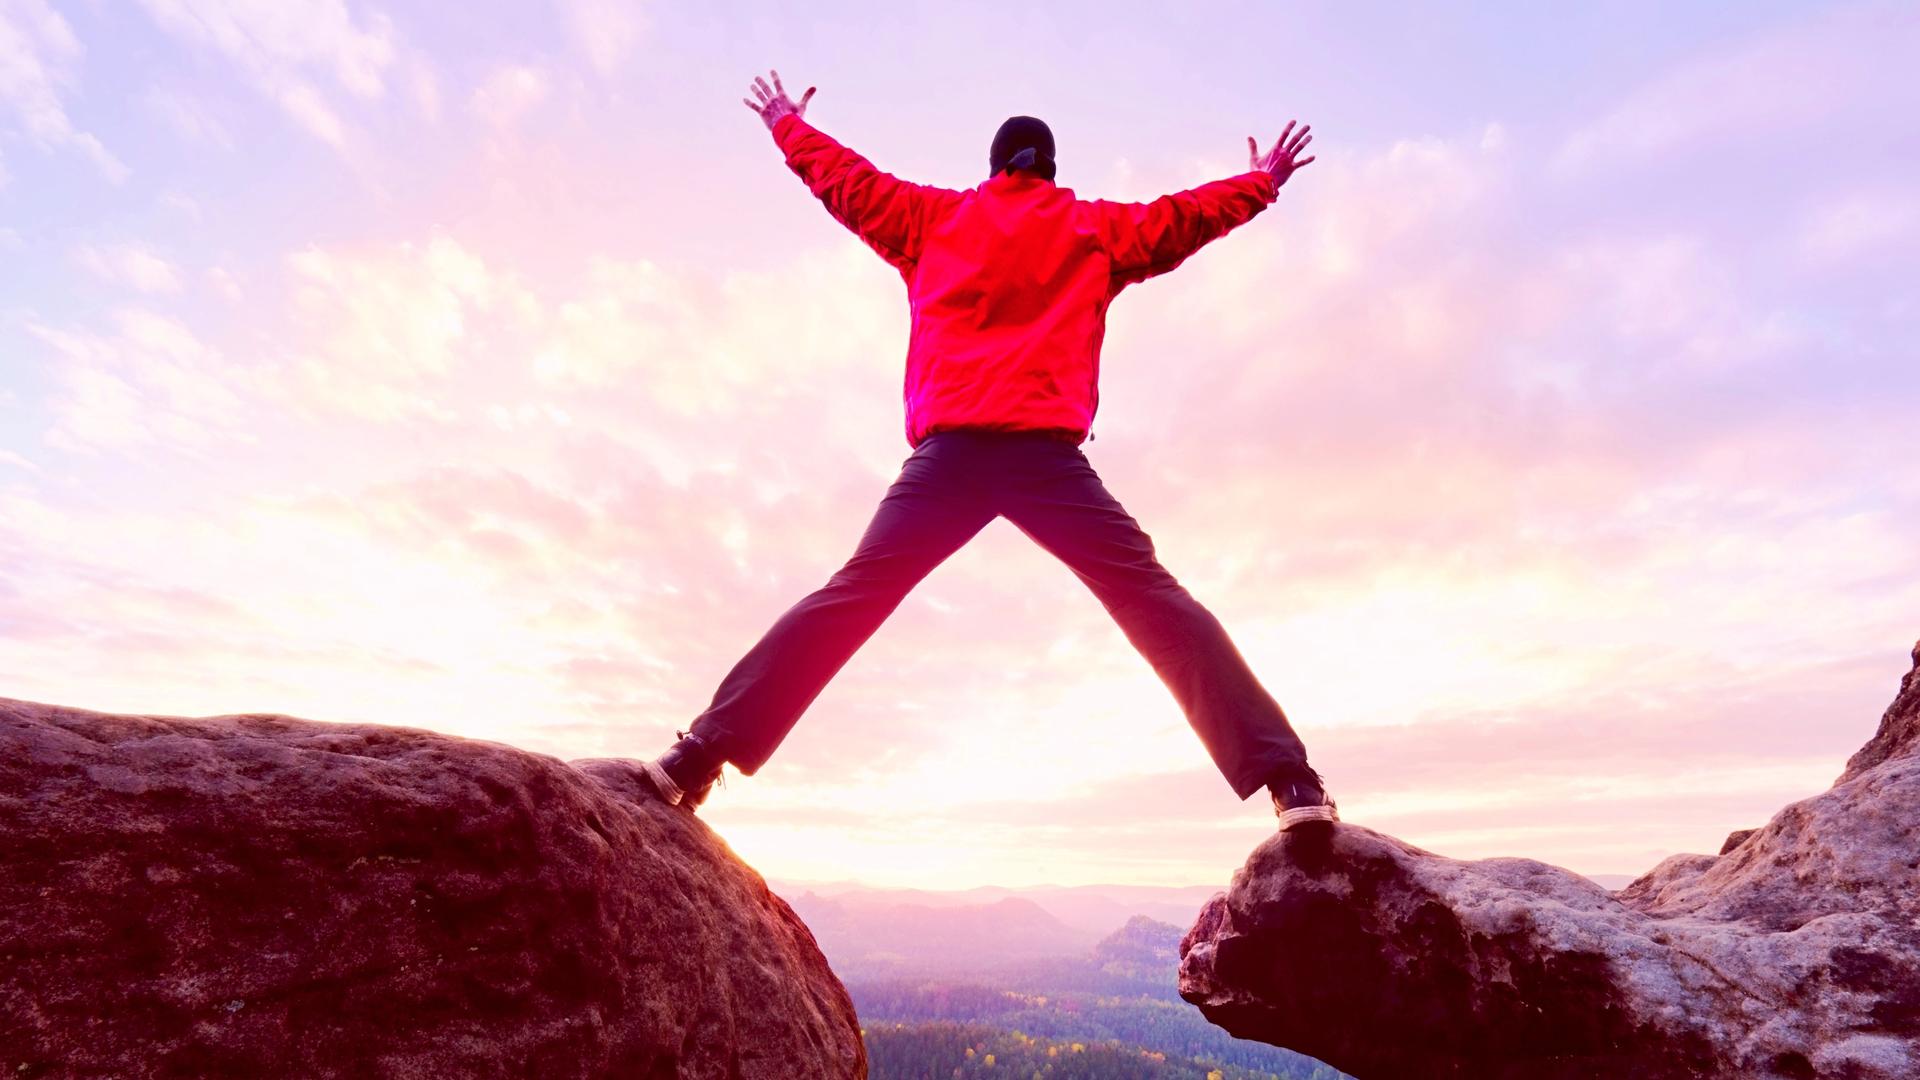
pixel 1064 507
pixel 931 510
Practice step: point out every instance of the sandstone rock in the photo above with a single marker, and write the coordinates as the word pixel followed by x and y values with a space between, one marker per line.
pixel 1735 839
pixel 1796 953
pixel 264 896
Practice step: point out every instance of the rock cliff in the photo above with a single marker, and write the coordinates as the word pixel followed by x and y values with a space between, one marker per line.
pixel 1794 953
pixel 264 896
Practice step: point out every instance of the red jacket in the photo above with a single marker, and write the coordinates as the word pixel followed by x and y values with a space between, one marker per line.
pixel 1009 282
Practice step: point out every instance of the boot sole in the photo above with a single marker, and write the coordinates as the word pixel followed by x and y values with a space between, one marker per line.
pixel 1307 815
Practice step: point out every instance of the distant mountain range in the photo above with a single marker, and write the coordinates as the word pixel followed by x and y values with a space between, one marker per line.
pixel 866 939
pixel 880 933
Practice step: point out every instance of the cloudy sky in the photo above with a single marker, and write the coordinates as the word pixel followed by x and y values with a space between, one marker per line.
pixel 1548 448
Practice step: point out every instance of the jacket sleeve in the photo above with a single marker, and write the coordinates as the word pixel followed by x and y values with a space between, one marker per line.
pixel 891 215
pixel 1145 239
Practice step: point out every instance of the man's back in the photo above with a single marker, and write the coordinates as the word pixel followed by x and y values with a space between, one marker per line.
pixel 1009 282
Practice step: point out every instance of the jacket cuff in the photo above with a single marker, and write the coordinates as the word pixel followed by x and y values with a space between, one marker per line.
pixel 1263 184
pixel 786 128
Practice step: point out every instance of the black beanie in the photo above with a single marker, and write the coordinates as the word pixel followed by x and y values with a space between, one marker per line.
pixel 1023 142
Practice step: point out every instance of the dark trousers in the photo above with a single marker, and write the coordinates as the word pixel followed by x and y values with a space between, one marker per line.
pixel 953 484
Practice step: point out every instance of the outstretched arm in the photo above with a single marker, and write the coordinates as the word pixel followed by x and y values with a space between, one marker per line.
pixel 890 214
pixel 1145 239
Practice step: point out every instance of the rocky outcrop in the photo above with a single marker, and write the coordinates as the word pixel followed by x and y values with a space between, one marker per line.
pixel 1795 953
pixel 265 896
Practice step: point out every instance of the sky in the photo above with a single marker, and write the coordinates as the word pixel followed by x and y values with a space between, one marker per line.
pixel 1547 447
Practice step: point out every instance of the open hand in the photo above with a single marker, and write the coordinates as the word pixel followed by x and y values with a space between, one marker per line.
pixel 774 102
pixel 1284 157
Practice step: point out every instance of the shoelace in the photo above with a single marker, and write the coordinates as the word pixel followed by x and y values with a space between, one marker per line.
pixel 1319 782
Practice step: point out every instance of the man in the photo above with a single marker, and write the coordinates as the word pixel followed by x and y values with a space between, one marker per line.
pixel 1009 285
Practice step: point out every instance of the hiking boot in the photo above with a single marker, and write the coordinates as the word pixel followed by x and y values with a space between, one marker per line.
pixel 686 773
pixel 1300 798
